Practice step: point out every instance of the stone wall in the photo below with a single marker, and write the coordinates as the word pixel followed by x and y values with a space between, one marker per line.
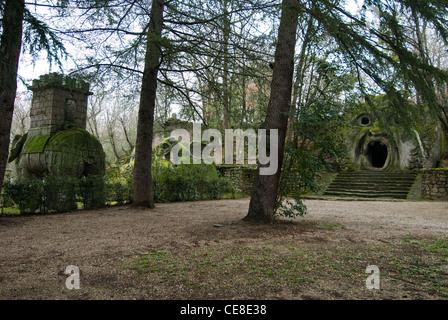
pixel 243 177
pixel 434 184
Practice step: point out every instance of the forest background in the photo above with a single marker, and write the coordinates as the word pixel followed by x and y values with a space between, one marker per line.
pixel 215 62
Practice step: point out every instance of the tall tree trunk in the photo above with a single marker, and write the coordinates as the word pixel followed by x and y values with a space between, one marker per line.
pixel 10 47
pixel 225 76
pixel 143 189
pixel 263 199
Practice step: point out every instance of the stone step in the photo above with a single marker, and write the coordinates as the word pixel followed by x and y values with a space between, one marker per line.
pixel 354 194
pixel 371 190
pixel 366 190
pixel 371 180
pixel 370 177
pixel 372 185
pixel 373 177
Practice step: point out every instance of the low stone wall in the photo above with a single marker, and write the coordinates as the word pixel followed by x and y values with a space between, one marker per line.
pixel 434 184
pixel 242 176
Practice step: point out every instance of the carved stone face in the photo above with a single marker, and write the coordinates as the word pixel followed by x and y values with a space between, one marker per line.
pixel 387 147
pixel 375 149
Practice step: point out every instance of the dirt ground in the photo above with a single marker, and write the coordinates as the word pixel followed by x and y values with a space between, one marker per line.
pixel 107 244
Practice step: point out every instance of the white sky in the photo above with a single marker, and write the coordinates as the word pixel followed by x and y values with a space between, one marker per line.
pixel 354 5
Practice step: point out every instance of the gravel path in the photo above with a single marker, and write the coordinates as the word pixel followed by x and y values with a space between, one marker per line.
pixel 35 250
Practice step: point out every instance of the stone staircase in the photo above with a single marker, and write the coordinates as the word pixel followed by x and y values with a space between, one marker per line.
pixel 371 184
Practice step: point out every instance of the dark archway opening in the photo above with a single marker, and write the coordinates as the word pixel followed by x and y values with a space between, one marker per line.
pixel 377 154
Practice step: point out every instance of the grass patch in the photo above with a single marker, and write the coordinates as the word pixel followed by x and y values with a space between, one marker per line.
pixel 421 267
pixel 212 267
pixel 333 226
pixel 410 269
pixel 437 246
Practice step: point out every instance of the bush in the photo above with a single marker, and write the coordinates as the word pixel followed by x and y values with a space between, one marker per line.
pixel 91 191
pixel 189 182
pixel 26 194
pixel 53 194
pixel 119 184
pixel 171 184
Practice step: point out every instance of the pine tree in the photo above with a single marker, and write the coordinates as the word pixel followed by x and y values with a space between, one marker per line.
pixel 264 195
pixel 143 189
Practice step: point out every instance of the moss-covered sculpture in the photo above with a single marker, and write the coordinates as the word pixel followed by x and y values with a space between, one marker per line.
pixel 57 144
pixel 71 152
pixel 377 141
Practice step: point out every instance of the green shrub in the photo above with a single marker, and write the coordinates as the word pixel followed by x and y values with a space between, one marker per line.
pixel 189 182
pixel 119 184
pixel 171 184
pixel 91 191
pixel 25 194
pixel 59 194
pixel 31 195
pixel 118 193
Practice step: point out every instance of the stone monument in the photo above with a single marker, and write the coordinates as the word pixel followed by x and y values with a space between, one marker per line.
pixel 57 144
pixel 377 141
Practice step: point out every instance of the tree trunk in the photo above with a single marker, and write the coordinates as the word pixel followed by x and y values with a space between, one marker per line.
pixel 225 77
pixel 263 199
pixel 10 47
pixel 143 189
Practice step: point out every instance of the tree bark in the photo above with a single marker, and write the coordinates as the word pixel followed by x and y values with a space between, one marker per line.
pixel 143 189
pixel 10 47
pixel 263 199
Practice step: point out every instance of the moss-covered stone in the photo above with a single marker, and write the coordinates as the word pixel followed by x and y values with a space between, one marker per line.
pixel 72 152
pixel 75 141
pixel 35 144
